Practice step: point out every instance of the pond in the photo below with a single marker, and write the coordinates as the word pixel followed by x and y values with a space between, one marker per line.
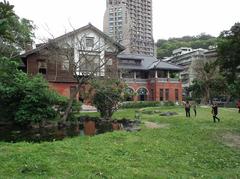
pixel 85 126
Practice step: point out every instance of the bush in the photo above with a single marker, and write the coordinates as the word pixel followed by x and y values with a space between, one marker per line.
pixel 140 104
pixel 26 99
pixel 169 103
pixel 107 96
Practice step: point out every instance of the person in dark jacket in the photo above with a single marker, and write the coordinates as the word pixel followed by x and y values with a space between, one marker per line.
pixel 215 112
pixel 195 109
pixel 238 106
pixel 187 109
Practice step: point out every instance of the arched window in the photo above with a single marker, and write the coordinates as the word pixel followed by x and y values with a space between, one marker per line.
pixel 142 94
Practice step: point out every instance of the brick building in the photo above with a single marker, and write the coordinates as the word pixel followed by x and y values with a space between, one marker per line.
pixel 149 78
pixel 146 76
pixel 53 58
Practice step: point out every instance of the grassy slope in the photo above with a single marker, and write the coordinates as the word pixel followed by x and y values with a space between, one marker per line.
pixel 188 148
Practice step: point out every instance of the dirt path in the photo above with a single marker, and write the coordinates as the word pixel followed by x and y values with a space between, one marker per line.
pixel 232 140
pixel 153 125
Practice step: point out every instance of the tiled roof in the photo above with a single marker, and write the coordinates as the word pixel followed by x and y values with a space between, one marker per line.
pixel 147 63
pixel 89 26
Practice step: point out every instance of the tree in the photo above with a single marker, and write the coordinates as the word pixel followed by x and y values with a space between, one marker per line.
pixel 208 82
pixel 229 58
pixel 25 99
pixel 108 95
pixel 16 34
pixel 165 47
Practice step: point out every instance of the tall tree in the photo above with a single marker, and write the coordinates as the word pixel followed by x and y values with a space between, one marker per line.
pixel 208 82
pixel 16 34
pixel 229 57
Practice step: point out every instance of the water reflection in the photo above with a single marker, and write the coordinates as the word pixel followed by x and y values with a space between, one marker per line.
pixel 13 133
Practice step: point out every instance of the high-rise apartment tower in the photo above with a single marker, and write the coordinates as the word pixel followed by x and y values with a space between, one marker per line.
pixel 130 23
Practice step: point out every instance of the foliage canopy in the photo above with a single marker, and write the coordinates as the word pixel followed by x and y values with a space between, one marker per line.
pixel 15 33
pixel 25 99
pixel 108 94
pixel 229 58
pixel 165 47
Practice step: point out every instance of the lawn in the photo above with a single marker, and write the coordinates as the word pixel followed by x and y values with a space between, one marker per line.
pixel 186 148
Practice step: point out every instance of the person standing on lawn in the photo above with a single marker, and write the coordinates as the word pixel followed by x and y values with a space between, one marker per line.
pixel 187 109
pixel 238 106
pixel 195 109
pixel 215 112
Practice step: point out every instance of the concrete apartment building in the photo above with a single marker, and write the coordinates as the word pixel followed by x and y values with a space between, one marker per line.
pixel 130 23
pixel 186 57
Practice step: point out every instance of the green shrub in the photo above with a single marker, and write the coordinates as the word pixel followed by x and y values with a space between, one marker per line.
pixel 26 99
pixel 108 94
pixel 140 104
pixel 169 103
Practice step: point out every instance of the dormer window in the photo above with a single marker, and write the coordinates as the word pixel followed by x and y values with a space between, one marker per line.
pixel 89 42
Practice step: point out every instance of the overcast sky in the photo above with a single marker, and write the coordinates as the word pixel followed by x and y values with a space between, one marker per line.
pixel 171 18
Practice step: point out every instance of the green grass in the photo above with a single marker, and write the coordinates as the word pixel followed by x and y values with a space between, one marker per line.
pixel 188 148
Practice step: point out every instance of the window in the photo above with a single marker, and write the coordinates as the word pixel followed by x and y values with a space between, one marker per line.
pixel 89 63
pixel 161 94
pixel 141 75
pixel 90 42
pixel 42 67
pixel 166 94
pixel 65 65
pixel 128 74
pixel 176 95
pixel 142 94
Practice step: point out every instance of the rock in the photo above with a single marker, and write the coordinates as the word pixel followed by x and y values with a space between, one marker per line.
pixel 168 114
pixel 157 111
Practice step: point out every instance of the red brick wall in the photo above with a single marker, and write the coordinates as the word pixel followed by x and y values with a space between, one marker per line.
pixel 62 88
pixel 171 87
pixel 156 86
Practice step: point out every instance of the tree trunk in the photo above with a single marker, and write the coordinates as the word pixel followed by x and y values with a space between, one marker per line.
pixel 69 107
pixel 207 97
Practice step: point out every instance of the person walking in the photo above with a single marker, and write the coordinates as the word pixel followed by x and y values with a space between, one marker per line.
pixel 238 106
pixel 187 109
pixel 195 109
pixel 215 112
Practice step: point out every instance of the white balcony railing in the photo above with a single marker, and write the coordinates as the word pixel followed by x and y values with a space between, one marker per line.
pixel 152 80
pixel 137 80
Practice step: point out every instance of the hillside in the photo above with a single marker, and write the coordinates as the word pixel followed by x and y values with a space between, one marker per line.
pixel 165 47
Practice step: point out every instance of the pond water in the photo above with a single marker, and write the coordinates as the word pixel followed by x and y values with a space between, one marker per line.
pixel 13 133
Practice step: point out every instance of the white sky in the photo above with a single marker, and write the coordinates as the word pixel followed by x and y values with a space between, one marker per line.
pixel 171 18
